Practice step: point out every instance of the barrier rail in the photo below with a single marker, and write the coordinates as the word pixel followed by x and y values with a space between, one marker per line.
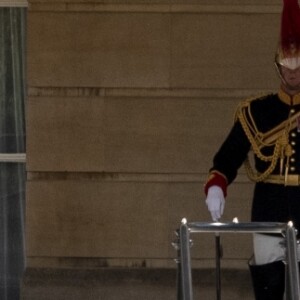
pixel 184 277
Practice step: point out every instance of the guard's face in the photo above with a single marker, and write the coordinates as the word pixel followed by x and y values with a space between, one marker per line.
pixel 291 78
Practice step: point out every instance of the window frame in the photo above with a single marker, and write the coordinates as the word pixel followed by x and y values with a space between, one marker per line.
pixel 13 3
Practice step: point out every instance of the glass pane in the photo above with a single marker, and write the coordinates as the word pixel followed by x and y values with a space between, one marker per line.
pixel 12 140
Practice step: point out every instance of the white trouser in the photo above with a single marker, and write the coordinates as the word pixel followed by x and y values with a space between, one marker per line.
pixel 268 249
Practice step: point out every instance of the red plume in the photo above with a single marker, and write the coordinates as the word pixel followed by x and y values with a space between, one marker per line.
pixel 290 26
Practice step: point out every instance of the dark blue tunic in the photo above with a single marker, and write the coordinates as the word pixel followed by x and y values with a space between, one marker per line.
pixel 271 202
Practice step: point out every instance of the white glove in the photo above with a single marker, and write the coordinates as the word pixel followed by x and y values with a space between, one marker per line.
pixel 215 202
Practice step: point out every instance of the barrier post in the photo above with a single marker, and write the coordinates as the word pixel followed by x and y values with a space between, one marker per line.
pixel 176 245
pixel 186 273
pixel 292 280
pixel 185 291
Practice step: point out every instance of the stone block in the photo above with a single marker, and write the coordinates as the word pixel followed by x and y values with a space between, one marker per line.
pixel 94 219
pixel 165 135
pixel 129 284
pixel 227 2
pixel 65 134
pixel 70 218
pixel 224 50
pixel 148 135
pixel 158 2
pixel 98 49
pixel 152 50
pixel 94 2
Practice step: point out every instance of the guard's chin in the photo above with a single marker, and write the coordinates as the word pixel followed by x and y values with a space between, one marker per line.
pixel 293 87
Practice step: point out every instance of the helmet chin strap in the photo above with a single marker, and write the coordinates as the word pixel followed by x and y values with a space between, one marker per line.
pixel 279 73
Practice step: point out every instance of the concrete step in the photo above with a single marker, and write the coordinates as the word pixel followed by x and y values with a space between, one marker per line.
pixel 129 284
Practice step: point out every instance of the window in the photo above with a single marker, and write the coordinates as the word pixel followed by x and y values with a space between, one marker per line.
pixel 12 146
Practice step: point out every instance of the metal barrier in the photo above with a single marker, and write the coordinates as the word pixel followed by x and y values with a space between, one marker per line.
pixel 183 243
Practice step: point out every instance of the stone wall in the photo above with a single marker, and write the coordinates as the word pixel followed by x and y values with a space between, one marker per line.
pixel 127 103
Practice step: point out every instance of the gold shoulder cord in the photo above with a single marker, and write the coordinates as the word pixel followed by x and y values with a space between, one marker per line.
pixel 277 137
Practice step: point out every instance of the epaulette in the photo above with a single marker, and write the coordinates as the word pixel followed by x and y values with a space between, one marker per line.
pixel 245 104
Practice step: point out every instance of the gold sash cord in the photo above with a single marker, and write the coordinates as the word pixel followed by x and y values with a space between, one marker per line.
pixel 278 137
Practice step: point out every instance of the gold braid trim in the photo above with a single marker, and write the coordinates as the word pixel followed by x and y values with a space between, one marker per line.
pixel 258 141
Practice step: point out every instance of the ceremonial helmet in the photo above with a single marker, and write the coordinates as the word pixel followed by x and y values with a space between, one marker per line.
pixel 288 52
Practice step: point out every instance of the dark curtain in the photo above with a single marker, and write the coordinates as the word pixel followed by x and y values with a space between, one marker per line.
pixel 12 140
